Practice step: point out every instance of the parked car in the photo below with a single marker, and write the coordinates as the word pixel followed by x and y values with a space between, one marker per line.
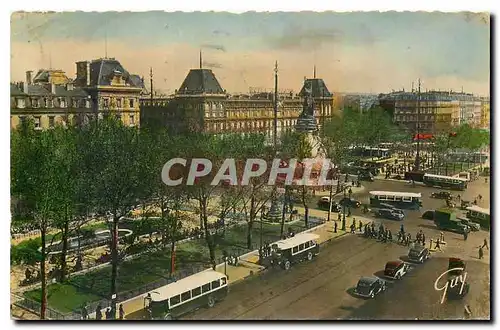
pixel 472 225
pixel 442 195
pixel 428 215
pixel 456 292
pixel 370 286
pixel 418 254
pixel 295 249
pixel 323 205
pixel 349 202
pixel 396 269
pixel 365 176
pixel 390 214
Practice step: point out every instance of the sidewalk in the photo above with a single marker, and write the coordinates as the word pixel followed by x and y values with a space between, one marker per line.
pixel 248 263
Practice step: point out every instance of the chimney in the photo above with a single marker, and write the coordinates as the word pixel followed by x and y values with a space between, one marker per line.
pixel 29 79
pixel 24 87
pixel 69 86
pixel 52 88
pixel 88 73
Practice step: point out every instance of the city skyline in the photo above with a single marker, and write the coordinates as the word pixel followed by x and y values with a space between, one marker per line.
pixel 353 52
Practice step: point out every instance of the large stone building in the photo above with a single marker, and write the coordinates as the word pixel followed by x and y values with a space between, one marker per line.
pixel 201 104
pixel 439 111
pixel 101 87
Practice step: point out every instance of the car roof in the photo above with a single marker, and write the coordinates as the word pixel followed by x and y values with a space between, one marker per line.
pixel 418 248
pixel 296 240
pixel 186 284
pixel 368 279
pixel 395 263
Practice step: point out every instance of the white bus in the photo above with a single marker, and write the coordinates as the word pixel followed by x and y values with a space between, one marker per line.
pixel 434 180
pixel 479 215
pixel 401 200
pixel 188 294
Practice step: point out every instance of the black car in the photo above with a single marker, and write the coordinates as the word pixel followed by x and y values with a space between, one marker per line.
pixel 323 205
pixel 442 195
pixel 365 176
pixel 390 214
pixel 370 286
pixel 349 202
pixel 428 215
pixel 418 254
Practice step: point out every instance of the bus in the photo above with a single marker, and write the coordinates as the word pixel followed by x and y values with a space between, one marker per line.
pixel 401 200
pixel 434 180
pixel 479 215
pixel 188 294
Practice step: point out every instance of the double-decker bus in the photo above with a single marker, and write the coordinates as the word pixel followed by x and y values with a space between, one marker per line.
pixel 442 181
pixel 401 200
pixel 188 294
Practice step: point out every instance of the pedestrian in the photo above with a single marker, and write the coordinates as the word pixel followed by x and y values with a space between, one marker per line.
pixel 402 228
pixel 354 222
pixel 475 201
pixel 480 252
pixel 360 226
pixel 485 244
pixel 438 245
pixel 423 239
pixel 108 313
pixel 121 312
pixel 339 217
pixel 335 226
pixel 85 313
pixel 147 300
pixel 98 313
pixel 466 233
pixel 485 180
pixel 353 228
pixel 441 237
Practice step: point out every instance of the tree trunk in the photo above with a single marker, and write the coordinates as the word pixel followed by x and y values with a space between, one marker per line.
pixel 64 251
pixel 114 264
pixel 250 222
pixel 282 229
pixel 306 208
pixel 43 278
pixel 208 237
pixel 172 256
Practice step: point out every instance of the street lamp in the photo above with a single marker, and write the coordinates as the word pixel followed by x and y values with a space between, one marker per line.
pixel 224 254
pixel 343 211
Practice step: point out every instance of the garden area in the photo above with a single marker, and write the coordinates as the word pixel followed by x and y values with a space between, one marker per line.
pixel 155 266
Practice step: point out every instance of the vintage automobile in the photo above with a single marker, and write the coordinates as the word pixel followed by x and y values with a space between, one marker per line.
pixel 472 225
pixel 349 202
pixel 459 290
pixel 428 215
pixel 396 269
pixel 295 249
pixel 390 214
pixel 418 254
pixel 370 286
pixel 324 203
pixel 442 195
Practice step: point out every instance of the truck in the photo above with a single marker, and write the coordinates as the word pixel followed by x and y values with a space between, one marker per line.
pixel 446 219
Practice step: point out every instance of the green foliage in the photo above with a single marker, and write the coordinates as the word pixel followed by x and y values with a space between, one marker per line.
pixel 26 252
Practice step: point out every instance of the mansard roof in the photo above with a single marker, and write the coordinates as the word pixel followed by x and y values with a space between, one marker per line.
pixel 103 70
pixel 319 88
pixel 200 81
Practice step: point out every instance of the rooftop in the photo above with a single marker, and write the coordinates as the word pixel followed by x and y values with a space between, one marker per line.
pixel 201 81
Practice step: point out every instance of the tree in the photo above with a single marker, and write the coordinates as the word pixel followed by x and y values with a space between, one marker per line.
pixel 111 161
pixel 35 183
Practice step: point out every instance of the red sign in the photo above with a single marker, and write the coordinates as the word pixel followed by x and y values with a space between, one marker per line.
pixel 423 136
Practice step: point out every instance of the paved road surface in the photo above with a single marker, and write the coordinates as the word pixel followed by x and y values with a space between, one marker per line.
pixel 321 289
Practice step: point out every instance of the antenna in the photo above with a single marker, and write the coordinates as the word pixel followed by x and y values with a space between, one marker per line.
pixel 151 83
pixel 201 60
pixel 106 43
pixel 314 75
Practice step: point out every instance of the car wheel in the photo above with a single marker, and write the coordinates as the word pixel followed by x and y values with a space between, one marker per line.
pixel 167 317
pixel 372 295
pixel 211 301
pixel 421 260
pixel 286 265
pixel 398 276
pixel 309 255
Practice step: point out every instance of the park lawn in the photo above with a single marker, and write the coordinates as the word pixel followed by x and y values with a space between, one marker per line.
pixel 153 266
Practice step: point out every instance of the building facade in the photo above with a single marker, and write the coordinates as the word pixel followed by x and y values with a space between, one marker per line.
pixel 102 87
pixel 439 111
pixel 201 104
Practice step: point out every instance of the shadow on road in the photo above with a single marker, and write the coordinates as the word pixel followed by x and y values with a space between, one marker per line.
pixel 379 274
pixel 428 226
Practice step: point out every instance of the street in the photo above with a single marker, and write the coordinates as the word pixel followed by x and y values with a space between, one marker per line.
pixel 322 289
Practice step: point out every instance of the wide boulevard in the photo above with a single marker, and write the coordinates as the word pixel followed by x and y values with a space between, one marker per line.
pixel 323 288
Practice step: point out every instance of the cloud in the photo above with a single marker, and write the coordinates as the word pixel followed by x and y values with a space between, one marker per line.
pixel 296 37
pixel 212 65
pixel 215 47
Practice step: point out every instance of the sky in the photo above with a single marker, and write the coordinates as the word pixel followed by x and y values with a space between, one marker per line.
pixel 368 52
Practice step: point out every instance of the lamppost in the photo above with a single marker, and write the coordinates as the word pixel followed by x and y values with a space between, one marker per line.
pixel 224 255
pixel 343 211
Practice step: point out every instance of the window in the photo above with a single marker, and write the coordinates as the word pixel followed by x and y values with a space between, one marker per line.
pixel 406 199
pixel 51 121
pixel 131 102
pixel 223 281
pixel 175 300
pixel 196 292
pixel 215 284
pixel 37 122
pixel 34 103
pixel 205 288
pixel 307 244
pixel 398 198
pixel 131 120
pixel 186 296
pixel 295 249
pixel 301 247
pixel 20 103
pixel 119 102
pixel 62 102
